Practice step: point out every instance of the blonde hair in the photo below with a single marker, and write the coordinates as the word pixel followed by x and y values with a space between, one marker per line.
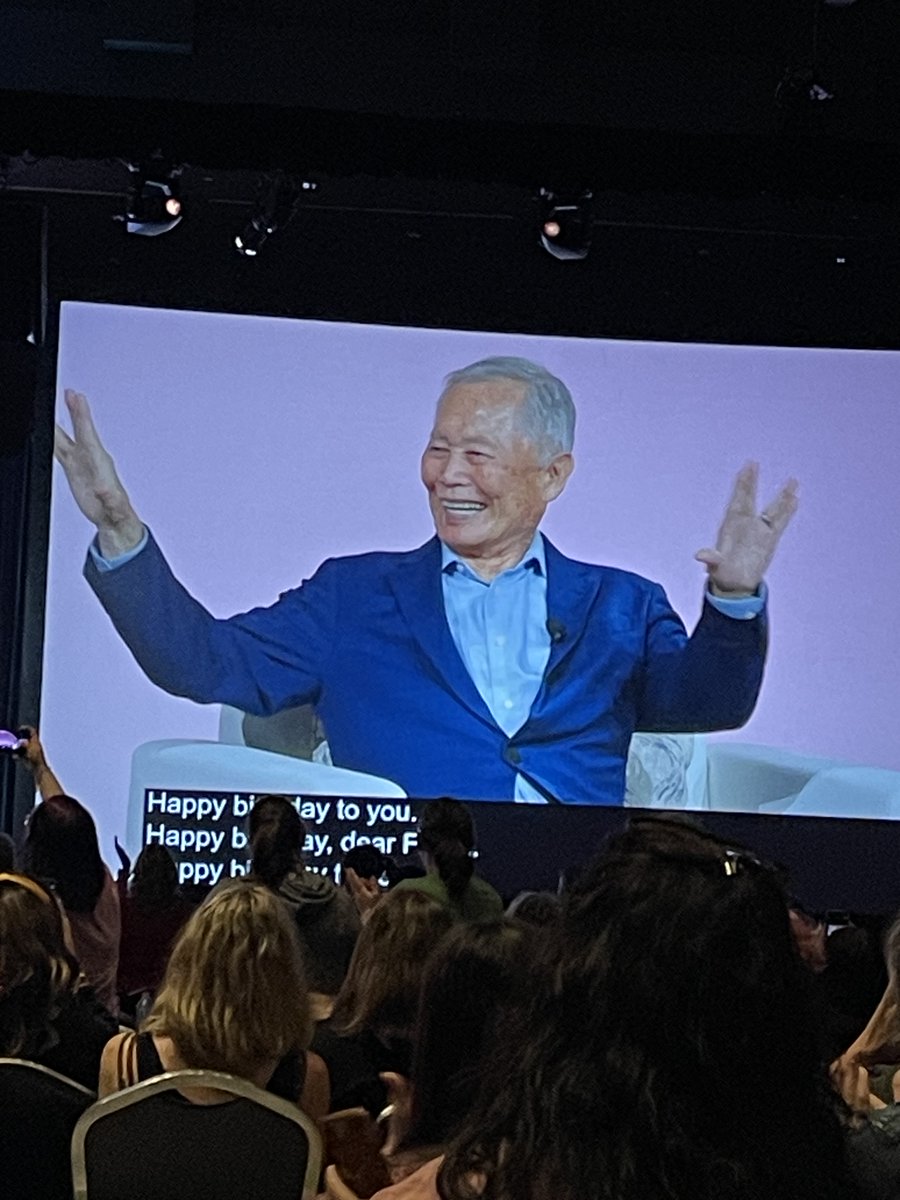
pixel 234 994
pixel 381 990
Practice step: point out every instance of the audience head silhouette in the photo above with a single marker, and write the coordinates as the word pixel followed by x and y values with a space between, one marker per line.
pixel 234 994
pixel 381 991
pixel 276 839
pixel 154 883
pixel 61 849
pixel 473 974
pixel 447 837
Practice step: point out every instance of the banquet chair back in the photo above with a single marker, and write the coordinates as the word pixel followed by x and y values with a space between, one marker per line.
pixel 150 1142
pixel 38 1113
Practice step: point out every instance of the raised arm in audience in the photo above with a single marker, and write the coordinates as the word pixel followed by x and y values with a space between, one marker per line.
pixel 45 781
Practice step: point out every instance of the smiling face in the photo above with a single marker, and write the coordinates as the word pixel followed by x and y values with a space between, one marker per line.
pixel 486 484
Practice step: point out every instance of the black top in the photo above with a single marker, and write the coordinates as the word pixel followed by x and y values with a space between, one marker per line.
pixel 354 1063
pixel 286 1082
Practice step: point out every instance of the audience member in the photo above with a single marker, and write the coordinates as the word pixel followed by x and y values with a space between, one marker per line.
pixel 47 1014
pixel 478 969
pixel 667 1050
pixel 233 999
pixel 153 912
pixel 652 1033
pixel 447 849
pixel 326 918
pixel 371 1028
pixel 62 851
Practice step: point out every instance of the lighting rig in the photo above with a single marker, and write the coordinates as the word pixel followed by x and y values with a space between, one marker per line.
pixel 566 223
pixel 153 205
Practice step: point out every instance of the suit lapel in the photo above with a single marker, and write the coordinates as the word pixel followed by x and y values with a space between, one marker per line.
pixel 416 583
pixel 572 588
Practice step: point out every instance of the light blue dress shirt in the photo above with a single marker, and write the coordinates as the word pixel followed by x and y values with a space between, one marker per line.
pixel 500 630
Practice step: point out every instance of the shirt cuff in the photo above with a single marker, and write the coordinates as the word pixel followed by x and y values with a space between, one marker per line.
pixel 112 564
pixel 744 608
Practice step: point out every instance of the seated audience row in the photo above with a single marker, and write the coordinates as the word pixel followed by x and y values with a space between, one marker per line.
pixel 655 1032
pixel 666 1047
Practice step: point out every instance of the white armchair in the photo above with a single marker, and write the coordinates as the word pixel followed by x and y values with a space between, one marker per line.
pixel 693 772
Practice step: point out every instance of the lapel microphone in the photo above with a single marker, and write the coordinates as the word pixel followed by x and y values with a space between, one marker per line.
pixel 556 629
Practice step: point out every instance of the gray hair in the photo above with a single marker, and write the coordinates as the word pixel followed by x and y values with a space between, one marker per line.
pixel 547 416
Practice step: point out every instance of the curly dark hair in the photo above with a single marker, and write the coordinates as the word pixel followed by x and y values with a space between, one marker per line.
pixel 669 1049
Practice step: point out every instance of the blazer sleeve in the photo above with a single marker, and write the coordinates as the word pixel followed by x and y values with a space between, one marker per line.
pixel 260 661
pixel 710 680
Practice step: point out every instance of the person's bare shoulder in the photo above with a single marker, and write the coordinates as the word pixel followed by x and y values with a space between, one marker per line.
pixel 421 1185
pixel 109 1065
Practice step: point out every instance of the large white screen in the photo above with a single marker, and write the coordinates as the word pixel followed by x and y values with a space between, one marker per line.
pixel 257 447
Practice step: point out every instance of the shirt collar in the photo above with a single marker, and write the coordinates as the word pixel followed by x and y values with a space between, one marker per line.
pixel 534 559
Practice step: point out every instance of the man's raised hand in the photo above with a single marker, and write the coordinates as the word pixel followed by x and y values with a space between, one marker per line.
pixel 747 539
pixel 95 484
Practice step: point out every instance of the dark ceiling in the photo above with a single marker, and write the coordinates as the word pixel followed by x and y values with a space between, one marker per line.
pixel 697 96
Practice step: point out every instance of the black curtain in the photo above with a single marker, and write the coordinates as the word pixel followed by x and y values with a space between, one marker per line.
pixel 23 451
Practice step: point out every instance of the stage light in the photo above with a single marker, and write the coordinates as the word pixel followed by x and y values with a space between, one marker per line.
pixel 279 198
pixel 154 205
pixel 566 223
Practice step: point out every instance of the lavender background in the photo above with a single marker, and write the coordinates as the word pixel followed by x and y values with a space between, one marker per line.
pixel 255 447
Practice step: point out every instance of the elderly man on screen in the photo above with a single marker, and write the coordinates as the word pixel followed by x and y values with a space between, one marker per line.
pixel 484 664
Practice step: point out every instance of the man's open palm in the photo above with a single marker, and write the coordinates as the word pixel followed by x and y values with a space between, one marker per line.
pixel 94 481
pixel 747 539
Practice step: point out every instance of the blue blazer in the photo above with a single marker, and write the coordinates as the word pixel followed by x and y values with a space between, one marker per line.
pixel 367 642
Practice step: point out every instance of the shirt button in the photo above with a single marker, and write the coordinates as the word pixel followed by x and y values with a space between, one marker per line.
pixel 507 703
pixel 500 640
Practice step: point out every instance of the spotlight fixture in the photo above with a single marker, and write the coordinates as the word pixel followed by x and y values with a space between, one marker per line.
pixel 278 201
pixel 566 223
pixel 154 203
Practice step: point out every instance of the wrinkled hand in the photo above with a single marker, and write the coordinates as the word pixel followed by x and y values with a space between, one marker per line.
pixel 365 892
pixel 747 539
pixel 95 484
